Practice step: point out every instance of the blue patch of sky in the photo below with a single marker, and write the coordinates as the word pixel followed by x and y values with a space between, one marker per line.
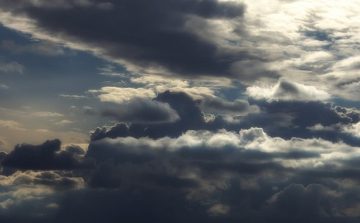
pixel 46 77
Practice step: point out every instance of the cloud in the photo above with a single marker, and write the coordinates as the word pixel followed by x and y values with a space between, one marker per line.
pixel 3 86
pixel 9 124
pixel 43 157
pixel 41 48
pixel 213 176
pixel 46 114
pixel 89 110
pixel 3 146
pixel 161 31
pixel 11 67
pixel 281 155
pixel 287 90
pixel 63 122
pixel 139 110
pixel 212 161
pixel 108 70
pixel 118 130
pixel 219 105
pixel 120 95
pixel 279 118
pixel 311 201
pixel 73 96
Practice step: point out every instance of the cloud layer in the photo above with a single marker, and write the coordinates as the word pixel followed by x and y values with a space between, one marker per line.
pixel 196 168
pixel 201 111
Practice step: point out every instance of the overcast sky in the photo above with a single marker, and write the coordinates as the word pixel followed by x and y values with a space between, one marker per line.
pixel 179 111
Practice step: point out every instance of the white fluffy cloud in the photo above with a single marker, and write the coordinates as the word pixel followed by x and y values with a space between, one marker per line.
pixel 120 95
pixel 287 90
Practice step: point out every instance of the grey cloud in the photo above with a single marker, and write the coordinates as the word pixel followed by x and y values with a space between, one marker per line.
pixel 44 157
pixel 219 105
pixel 311 201
pixel 288 91
pixel 118 130
pixel 89 110
pixel 250 172
pixel 74 149
pixel 199 170
pixel 64 4
pixel 251 69
pixel 58 181
pixel 165 165
pixel 351 113
pixel 47 49
pixel 158 37
pixel 285 119
pixel 11 67
pixel 142 111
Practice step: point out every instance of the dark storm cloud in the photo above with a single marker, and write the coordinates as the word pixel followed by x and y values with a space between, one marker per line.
pixel 145 33
pixel 139 110
pixel 45 157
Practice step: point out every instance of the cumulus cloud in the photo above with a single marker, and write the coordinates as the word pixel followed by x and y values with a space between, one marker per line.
pixel 204 164
pixel 279 118
pixel 43 157
pixel 142 111
pixel 281 155
pixel 212 175
pixel 287 90
pixel 120 95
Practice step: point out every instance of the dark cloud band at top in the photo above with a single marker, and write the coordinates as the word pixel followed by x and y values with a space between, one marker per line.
pixel 144 33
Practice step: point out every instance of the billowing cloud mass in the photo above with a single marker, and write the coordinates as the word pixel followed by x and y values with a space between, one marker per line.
pixel 199 111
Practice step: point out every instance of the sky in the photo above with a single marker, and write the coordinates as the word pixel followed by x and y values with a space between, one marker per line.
pixel 179 111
